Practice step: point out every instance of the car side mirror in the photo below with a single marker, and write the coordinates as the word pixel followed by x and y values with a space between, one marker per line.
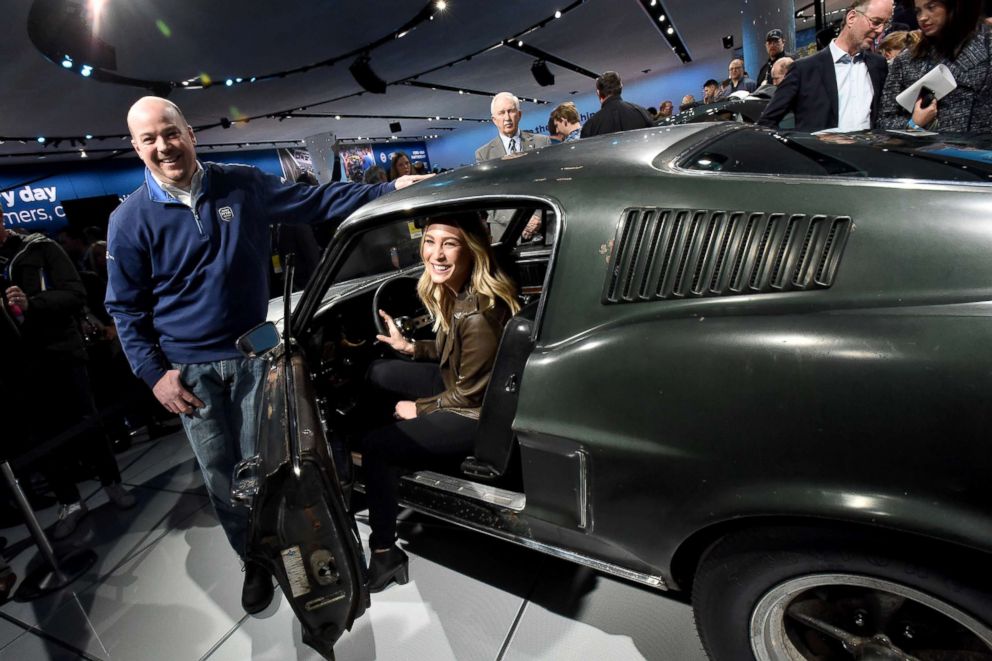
pixel 259 340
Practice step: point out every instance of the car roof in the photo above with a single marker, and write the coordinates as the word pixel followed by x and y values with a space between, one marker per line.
pixel 553 172
pixel 534 173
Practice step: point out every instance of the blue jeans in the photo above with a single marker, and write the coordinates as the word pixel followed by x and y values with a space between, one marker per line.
pixel 223 432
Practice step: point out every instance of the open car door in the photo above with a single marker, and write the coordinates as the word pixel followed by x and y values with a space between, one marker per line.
pixel 299 526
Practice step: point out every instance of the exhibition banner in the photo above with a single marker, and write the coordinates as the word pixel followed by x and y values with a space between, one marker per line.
pixel 32 195
pixel 359 158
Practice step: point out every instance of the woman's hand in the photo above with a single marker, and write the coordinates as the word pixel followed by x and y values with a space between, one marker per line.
pixel 405 410
pixel 395 339
pixel 924 117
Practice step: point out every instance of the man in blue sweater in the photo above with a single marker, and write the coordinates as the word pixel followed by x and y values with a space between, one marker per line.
pixel 187 257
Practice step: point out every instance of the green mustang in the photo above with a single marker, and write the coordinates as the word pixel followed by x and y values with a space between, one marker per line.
pixel 750 366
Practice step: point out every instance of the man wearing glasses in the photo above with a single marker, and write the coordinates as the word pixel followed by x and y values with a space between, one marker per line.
pixel 839 88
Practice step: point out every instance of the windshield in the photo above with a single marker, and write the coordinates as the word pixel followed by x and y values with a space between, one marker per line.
pixel 388 248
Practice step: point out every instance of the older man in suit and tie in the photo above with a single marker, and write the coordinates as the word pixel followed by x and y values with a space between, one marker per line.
pixel 840 87
pixel 506 116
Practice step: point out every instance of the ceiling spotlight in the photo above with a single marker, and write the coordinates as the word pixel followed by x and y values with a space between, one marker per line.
pixel 67 62
pixel 558 14
pixel 89 136
pixel 361 70
pixel 337 116
pixel 228 82
pixel 86 70
pixel 670 31
pixel 441 5
pixel 41 139
pixel 661 19
pixel 82 153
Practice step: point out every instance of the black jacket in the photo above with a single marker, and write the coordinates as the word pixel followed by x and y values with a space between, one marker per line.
pixel 810 91
pixel 55 294
pixel 616 115
pixel 765 75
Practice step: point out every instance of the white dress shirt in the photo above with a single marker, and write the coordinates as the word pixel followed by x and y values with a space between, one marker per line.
pixel 506 142
pixel 854 90
pixel 186 197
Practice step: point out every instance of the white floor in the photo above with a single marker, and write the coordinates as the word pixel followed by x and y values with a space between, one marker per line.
pixel 167 586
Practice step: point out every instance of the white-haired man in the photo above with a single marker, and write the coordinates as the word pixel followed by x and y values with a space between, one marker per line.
pixel 506 115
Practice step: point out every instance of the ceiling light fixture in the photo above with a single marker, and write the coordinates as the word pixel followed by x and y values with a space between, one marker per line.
pixel 542 74
pixel 663 22
pixel 361 71
pixel 548 57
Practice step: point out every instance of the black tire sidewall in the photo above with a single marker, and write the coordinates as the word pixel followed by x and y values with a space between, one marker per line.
pixel 738 570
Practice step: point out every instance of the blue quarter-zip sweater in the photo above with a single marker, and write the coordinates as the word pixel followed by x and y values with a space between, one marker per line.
pixel 184 284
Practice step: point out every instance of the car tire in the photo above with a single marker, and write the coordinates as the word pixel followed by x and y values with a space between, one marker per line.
pixel 754 592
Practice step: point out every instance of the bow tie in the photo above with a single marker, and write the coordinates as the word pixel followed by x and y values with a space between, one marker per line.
pixel 847 59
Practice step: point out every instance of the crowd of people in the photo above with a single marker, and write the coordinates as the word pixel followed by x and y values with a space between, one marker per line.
pixel 61 361
pixel 853 83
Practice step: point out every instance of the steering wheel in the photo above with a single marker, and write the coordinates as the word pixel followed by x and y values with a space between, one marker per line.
pixel 398 298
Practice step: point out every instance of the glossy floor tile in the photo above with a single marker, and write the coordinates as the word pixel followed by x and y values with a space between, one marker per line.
pixel 166 585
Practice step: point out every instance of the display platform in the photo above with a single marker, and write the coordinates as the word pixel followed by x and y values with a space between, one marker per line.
pixel 167 586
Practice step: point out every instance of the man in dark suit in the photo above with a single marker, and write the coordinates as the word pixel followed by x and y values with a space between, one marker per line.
pixel 506 115
pixel 615 114
pixel 840 87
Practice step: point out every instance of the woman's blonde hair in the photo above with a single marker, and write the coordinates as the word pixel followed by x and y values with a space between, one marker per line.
pixel 488 281
pixel 899 41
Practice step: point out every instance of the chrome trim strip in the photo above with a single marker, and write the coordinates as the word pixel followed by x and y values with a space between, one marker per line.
pixel 484 492
pixel 427 480
pixel 583 490
pixel 649 580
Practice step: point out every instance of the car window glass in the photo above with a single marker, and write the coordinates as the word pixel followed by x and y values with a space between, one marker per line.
pixel 539 231
pixel 387 248
pixel 838 155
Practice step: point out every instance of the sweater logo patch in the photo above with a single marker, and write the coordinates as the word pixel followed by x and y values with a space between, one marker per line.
pixel 226 213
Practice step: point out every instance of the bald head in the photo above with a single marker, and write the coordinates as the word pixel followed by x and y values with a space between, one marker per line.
pixel 155 106
pixel 782 66
pixel 164 140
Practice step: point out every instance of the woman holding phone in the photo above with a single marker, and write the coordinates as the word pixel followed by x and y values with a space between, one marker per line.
pixel 952 34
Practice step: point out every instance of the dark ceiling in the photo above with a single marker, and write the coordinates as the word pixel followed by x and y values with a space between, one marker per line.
pixel 168 40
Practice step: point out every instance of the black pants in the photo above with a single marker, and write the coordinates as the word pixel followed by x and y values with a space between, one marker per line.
pixel 438 440
pixel 62 398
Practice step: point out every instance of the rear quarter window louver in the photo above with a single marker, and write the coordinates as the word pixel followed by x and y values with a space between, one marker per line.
pixel 663 254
